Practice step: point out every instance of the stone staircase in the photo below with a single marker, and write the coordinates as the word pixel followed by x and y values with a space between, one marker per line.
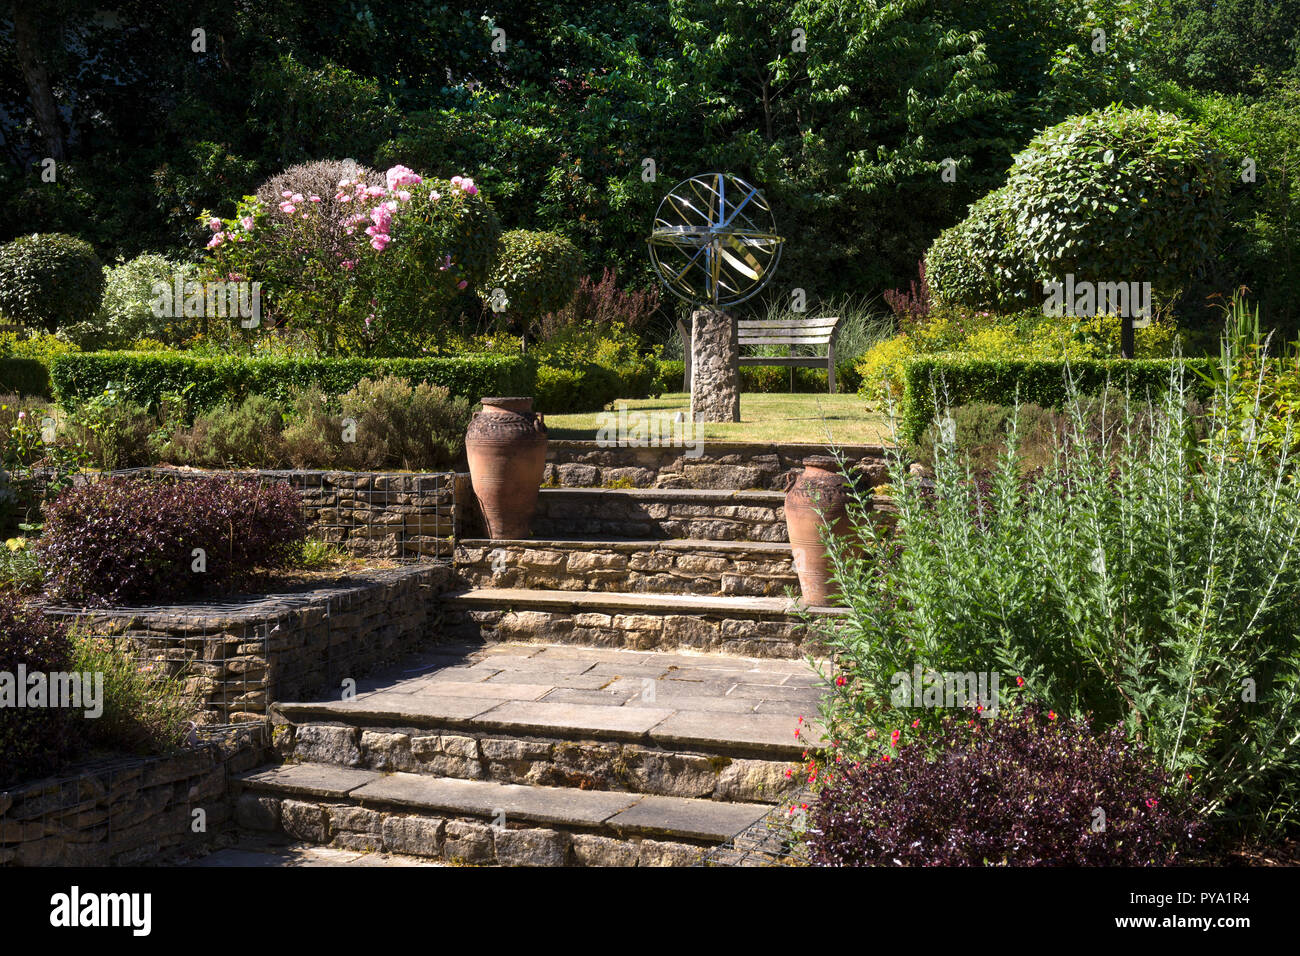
pixel 629 687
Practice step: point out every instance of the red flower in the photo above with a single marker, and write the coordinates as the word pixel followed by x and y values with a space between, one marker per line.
pixel 1051 715
pixel 1020 682
pixel 840 681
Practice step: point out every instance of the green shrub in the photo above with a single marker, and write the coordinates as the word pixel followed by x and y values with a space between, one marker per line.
pixel 24 376
pixel 1153 582
pixel 1114 195
pixel 112 432
pixel 209 382
pixel 20 572
pixel 126 311
pixel 954 381
pixel 49 280
pixel 243 435
pixel 146 709
pixel 537 271
pixel 394 425
pixel 584 387
pixel 33 740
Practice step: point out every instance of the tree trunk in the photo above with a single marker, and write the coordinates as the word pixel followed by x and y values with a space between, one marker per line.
pixel 44 107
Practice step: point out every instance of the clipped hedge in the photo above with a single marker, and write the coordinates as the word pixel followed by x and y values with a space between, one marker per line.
pixel 962 381
pixel 24 376
pixel 207 382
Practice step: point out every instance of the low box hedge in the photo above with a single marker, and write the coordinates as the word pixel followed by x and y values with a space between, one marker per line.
pixel 207 382
pixel 960 381
pixel 24 376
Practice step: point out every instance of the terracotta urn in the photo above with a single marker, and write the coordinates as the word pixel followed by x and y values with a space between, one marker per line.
pixel 506 447
pixel 815 498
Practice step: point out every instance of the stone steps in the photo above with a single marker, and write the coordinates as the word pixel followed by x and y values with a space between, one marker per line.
pixel 485 822
pixel 660 513
pixel 711 568
pixel 540 754
pixel 764 627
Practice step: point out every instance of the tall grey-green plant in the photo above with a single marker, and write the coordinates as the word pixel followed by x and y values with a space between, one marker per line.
pixel 1143 576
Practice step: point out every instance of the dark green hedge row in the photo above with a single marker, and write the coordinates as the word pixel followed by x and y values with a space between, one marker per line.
pixel 588 387
pixel 207 382
pixel 960 381
pixel 770 378
pixel 24 376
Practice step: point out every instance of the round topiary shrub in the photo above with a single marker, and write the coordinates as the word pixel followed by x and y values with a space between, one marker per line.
pixel 537 271
pixel 320 178
pixel 126 310
pixel 33 740
pixel 1115 195
pixel 49 280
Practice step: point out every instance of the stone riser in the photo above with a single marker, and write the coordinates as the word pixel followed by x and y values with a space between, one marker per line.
pixel 567 516
pixel 771 637
pixel 540 761
pixel 455 839
pixel 573 566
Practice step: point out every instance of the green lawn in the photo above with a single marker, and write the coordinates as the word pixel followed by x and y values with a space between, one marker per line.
pixel 780 417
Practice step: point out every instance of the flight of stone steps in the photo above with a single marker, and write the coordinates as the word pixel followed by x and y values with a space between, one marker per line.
pixel 631 686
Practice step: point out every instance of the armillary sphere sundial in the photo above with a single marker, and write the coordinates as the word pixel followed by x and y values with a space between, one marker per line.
pixel 714 245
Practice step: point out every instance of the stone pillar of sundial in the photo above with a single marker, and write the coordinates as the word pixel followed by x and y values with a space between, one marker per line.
pixel 715 367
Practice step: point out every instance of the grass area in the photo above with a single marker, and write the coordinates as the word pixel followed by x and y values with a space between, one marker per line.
pixel 775 416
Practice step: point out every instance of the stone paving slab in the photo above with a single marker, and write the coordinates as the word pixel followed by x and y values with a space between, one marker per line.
pixel 559 718
pixel 391 702
pixel 556 805
pixel 680 816
pixel 766 731
pixel 318 780
pixel 483 689
pixel 257 856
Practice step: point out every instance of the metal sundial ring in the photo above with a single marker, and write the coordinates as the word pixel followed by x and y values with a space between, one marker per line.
pixel 714 240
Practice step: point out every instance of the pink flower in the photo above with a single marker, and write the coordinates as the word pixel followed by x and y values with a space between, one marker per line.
pixel 462 284
pixel 287 193
pixel 216 240
pixel 296 197
pixel 403 195
pixel 343 197
pixel 457 180
pixel 247 223
pixel 287 207
pixel 214 224
pixel 435 196
pixel 380 242
pixel 349 264
pixel 314 198
pixel 469 187
pixel 22 416
pixel 376 191
pixel 893 738
pixel 401 176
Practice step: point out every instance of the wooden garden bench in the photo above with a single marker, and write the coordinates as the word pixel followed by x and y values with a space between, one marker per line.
pixel 791 332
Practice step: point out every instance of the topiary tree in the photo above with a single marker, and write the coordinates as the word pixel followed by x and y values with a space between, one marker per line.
pixel 537 272
pixel 320 178
pixel 1115 195
pixel 48 280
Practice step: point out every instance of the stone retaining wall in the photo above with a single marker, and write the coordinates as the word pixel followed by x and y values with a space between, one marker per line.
pixel 673 567
pixel 126 811
pixel 236 655
pixel 735 466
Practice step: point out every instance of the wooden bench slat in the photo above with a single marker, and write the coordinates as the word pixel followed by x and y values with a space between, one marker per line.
pixel 785 340
pixel 805 361
pixel 787 323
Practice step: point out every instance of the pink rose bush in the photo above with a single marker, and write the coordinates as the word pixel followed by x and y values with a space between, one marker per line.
pixel 365 272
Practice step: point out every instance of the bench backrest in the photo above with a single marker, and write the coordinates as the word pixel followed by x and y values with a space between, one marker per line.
pixel 818 331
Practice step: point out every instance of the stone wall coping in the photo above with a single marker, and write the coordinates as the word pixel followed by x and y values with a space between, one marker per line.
pixel 711 448
pixel 630 545
pixel 257 607
pixel 645 603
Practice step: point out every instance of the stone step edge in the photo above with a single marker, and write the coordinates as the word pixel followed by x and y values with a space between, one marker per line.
pixel 579 602
pixel 309 745
pixel 605 813
pixel 630 544
pixel 382 717
pixel 757 496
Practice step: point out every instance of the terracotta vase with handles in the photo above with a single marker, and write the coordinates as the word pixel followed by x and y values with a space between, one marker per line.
pixel 815 498
pixel 506 448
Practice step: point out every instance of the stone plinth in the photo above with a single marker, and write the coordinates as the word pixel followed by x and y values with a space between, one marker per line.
pixel 715 364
